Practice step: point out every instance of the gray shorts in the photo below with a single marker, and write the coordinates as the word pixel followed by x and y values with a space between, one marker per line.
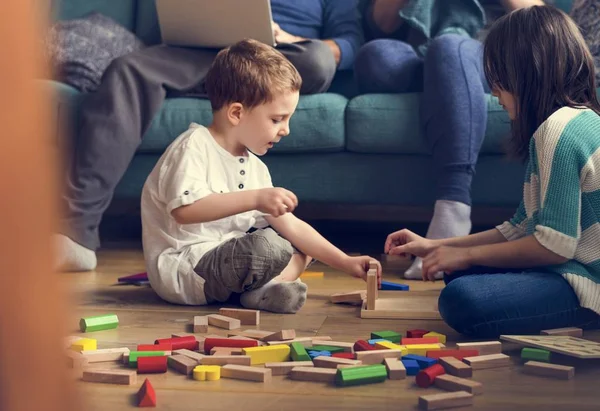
pixel 243 264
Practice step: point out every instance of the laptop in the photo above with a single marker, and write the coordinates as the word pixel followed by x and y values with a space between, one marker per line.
pixel 214 23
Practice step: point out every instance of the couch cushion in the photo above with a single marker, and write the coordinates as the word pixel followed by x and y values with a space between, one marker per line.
pixel 317 125
pixel 123 11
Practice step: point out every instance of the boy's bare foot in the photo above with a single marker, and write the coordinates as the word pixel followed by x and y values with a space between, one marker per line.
pixel 276 296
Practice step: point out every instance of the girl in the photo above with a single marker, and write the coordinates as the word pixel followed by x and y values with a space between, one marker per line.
pixel 541 269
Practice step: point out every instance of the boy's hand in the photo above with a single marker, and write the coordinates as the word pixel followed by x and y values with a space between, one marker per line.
pixel 447 260
pixel 359 266
pixel 405 242
pixel 276 201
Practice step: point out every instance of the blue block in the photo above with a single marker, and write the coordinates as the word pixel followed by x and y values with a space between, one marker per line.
pixel 376 340
pixel 314 354
pixel 412 367
pixel 387 285
pixel 423 362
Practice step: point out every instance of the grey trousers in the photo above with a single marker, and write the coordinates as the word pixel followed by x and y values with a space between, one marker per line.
pixel 113 120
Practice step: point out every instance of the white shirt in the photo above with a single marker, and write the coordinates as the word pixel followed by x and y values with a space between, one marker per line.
pixel 193 166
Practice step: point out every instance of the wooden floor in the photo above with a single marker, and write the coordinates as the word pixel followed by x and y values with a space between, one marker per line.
pixel 144 317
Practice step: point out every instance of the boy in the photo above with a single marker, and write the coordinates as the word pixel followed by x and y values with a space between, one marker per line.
pixel 209 188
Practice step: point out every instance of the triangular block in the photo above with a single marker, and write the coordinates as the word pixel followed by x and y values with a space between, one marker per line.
pixel 146 395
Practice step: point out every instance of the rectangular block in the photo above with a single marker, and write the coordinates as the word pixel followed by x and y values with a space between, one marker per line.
pixel 441 337
pixel 98 323
pixel 483 362
pixel 68 341
pixel 254 334
pixel 387 345
pixel 424 362
pixel 445 400
pixel 191 354
pixel 536 354
pixel 155 347
pixel 75 359
pixel 244 372
pixel 122 377
pixel 271 353
pixel 200 324
pixel 412 367
pixel 105 355
pixel 246 317
pixel 313 374
pixel 570 331
pixel 395 369
pixel 423 340
pixel 377 356
pixel 331 349
pixel 452 383
pixel 484 348
pixel 347 347
pixel 562 372
pixel 182 364
pixel 416 333
pixel 458 354
pixel 225 351
pixel 387 335
pixel 367 374
pixel 226 359
pixel 224 322
pixel 298 352
pixel 134 355
pixel 362 345
pixel 371 289
pixel 305 341
pixel 390 286
pixel 284 368
pixel 210 343
pixel 84 344
pixel 421 349
pixel 354 298
pixel 333 362
pixel 282 335
pixel 456 367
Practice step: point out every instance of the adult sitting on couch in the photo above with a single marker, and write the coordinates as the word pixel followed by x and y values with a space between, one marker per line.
pixel 317 36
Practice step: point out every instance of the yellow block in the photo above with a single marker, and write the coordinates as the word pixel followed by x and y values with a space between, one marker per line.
pixel 315 274
pixel 421 349
pixel 270 353
pixel 207 372
pixel 441 337
pixel 84 344
pixel 383 345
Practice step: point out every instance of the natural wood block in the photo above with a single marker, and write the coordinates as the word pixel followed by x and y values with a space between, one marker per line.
pixel 333 362
pixel 453 383
pixel 483 362
pixel 572 331
pixel 563 344
pixel 125 359
pixel 484 348
pixel 70 340
pixel 348 347
pixel 246 317
pixel 200 324
pixel 180 335
pixel 244 372
pixel 225 359
pixel 271 353
pixel 224 322
pixel 321 338
pixel 377 356
pixel 181 363
pixel 313 374
pixel 415 305
pixel 254 334
pixel 305 341
pixel 542 369
pixel 191 354
pixel 75 359
pixel 123 377
pixel 105 355
pixel 354 297
pixel 282 335
pixel 284 368
pixel 225 351
pixel 371 289
pixel 456 367
pixel 395 369
pixel 445 400
pixel 441 337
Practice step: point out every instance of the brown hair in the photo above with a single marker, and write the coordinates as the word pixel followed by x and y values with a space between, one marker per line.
pixel 250 73
pixel 538 55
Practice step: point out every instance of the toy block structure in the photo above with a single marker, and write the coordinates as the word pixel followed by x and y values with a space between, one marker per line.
pixel 188 353
pixel 284 368
pixel 353 297
pixel 122 377
pixel 298 352
pixel 458 354
pixel 395 369
pixel 182 364
pixel 211 343
pixel 244 372
pixel 105 355
pixel 445 400
pixel 98 323
pixel 484 348
pixel 377 356
pixel 152 365
pixel 221 321
pixel 178 343
pixel 246 317
pixel 84 344
pixel 207 373
pixel 282 335
pixel 226 359
pixel 567 345
pixel 333 362
pixel 412 367
pixel 423 362
pixel 441 337
pixel 367 374
pixel 569 331
pixel 452 383
pixel 146 396
pixel 484 362
pixel 456 367
pixel 200 324
pixel 549 370
pixel 271 353
pixel 313 374
pixel 387 335
pixel 535 354
pixel 427 376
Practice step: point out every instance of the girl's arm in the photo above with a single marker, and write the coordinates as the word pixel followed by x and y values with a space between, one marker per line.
pixel 492 236
pixel 523 253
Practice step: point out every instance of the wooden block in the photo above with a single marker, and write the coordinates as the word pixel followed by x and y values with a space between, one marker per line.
pixel 98 323
pixel 377 356
pixel 549 370
pixel 305 341
pixel 244 372
pixel 395 369
pixel 483 362
pixel 181 363
pixel 571 331
pixel 105 355
pixel 146 396
pixel 200 324
pixel 152 365
pixel 123 377
pixel 322 338
pixel 224 322
pixel 271 353
pixel 155 347
pixel 421 349
pixel 225 359
pixel 254 334
pixel 386 345
pixel 180 335
pixel 70 340
pixel 362 345
pixel 284 368
pixel 225 351
pixel 427 376
pixel 371 289
pixel 452 383
pixel 84 344
pixel 313 374
pixel 458 354
pixel 282 335
pixel 246 317
pixel 191 354
pixel 416 333
pixel 207 373
pixel 348 347
pixel 125 359
pixel 312 274
pixel 190 342
pixel 391 336
pixel 484 348
pixel 456 367
pixel 535 354
pixel 210 343
pixel 354 297
pixel 423 340
pixel 75 359
pixel 334 362
pixel 441 337
pixel 445 400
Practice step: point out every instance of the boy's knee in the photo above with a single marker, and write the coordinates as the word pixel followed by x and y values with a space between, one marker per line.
pixel 268 255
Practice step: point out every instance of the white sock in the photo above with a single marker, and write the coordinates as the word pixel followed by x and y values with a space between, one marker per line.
pixel 71 256
pixel 450 219
pixel 276 296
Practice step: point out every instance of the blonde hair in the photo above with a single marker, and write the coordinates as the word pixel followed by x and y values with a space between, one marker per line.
pixel 250 73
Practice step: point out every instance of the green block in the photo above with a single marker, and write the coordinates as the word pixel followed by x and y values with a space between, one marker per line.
pixel 329 348
pixel 98 323
pixel 387 335
pixel 298 352
pixel 134 355
pixel 367 374
pixel 535 354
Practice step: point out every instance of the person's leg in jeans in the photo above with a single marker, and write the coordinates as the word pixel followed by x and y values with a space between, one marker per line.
pixel 482 305
pixel 454 118
pixel 114 119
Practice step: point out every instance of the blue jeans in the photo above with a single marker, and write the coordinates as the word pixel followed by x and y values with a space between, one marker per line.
pixel 486 302
pixel 453 108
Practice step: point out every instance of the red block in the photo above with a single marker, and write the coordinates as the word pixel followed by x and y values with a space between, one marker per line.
pixel 149 365
pixel 426 377
pixel 426 340
pixel 362 345
pixel 146 395
pixel 179 343
pixel 458 354
pixel 155 347
pixel 347 355
pixel 416 333
pixel 210 343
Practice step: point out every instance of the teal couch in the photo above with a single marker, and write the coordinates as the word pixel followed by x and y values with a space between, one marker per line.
pixel 348 156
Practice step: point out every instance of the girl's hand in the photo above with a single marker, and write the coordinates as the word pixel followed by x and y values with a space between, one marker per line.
pixel 405 242
pixel 447 260
pixel 359 266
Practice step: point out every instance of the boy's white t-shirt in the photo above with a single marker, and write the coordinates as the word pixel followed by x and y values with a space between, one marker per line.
pixel 193 166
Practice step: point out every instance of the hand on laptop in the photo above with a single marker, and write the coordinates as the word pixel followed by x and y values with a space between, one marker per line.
pixel 282 36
